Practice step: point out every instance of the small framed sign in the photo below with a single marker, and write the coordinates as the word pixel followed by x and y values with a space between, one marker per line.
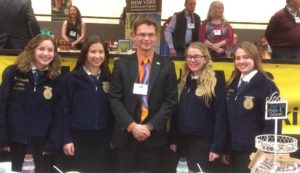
pixel 276 110
pixel 124 45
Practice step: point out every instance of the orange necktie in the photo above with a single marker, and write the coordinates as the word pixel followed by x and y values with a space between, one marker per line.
pixel 144 74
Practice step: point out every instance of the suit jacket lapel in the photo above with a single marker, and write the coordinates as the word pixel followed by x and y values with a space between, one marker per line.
pixel 133 69
pixel 155 68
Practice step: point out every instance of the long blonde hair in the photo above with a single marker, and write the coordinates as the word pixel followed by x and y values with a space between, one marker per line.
pixel 26 58
pixel 212 10
pixel 206 83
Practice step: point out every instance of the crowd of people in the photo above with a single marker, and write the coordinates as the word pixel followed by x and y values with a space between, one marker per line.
pixel 94 120
pixel 216 32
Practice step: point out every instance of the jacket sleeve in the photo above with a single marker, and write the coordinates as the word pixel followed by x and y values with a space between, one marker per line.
pixel 5 91
pixel 116 97
pixel 271 29
pixel 221 127
pixel 160 118
pixel 67 97
pixel 33 24
pixel 54 140
pixel 270 124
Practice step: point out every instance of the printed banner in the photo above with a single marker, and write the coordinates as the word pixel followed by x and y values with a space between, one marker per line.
pixel 142 6
pixel 148 8
pixel 60 9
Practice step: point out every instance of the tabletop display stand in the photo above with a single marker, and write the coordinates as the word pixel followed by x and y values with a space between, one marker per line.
pixel 273 149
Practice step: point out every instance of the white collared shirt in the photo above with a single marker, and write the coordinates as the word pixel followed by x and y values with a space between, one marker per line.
pixel 292 12
pixel 90 73
pixel 247 77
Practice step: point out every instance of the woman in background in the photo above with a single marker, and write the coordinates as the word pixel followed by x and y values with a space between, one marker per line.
pixel 74 29
pixel 201 116
pixel 87 123
pixel 215 32
pixel 247 91
pixel 30 113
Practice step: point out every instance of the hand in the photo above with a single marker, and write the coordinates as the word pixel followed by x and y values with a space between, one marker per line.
pixel 213 156
pixel 73 45
pixel 173 148
pixel 215 47
pixel 225 159
pixel 173 53
pixel 140 132
pixel 5 149
pixel 220 50
pixel 69 149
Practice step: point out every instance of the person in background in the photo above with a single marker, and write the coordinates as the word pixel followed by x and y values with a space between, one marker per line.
pixel 30 111
pixel 264 48
pixel 87 121
pixel 283 31
pixel 200 118
pixel 182 29
pixel 247 91
pixel 231 48
pixel 18 24
pixel 74 29
pixel 143 95
pixel 215 32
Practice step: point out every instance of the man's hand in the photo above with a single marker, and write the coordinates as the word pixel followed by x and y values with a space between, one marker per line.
pixel 140 132
pixel 69 149
pixel 173 52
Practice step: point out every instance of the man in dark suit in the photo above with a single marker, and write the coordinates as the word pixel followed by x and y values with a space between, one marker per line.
pixel 18 24
pixel 139 134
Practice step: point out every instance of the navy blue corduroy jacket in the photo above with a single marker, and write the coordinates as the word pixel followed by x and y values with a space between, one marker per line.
pixel 30 113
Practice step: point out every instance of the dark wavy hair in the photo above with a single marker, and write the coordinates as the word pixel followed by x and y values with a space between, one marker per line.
pixel 84 51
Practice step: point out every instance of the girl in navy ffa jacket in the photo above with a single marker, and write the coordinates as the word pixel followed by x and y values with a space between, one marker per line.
pixel 86 115
pixel 29 107
pixel 201 116
pixel 247 91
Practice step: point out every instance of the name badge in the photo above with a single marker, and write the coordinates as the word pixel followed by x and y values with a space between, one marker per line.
pixel 217 32
pixel 140 89
pixel 72 33
pixel 191 25
pixel 297 19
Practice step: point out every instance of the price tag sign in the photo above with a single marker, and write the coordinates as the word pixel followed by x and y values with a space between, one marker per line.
pixel 276 110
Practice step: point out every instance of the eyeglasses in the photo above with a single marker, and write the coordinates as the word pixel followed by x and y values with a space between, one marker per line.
pixel 196 57
pixel 144 35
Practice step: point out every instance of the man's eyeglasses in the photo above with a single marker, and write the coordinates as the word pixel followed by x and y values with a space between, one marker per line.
pixel 144 35
pixel 196 57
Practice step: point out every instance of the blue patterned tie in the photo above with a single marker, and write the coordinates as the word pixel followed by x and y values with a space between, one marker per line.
pixel 242 85
pixel 36 75
pixel 145 80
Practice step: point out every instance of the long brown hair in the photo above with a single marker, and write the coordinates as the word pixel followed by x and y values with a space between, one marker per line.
pixel 84 51
pixel 26 58
pixel 207 80
pixel 253 53
pixel 78 16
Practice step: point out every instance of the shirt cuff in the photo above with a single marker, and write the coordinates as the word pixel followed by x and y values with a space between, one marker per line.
pixel 131 126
